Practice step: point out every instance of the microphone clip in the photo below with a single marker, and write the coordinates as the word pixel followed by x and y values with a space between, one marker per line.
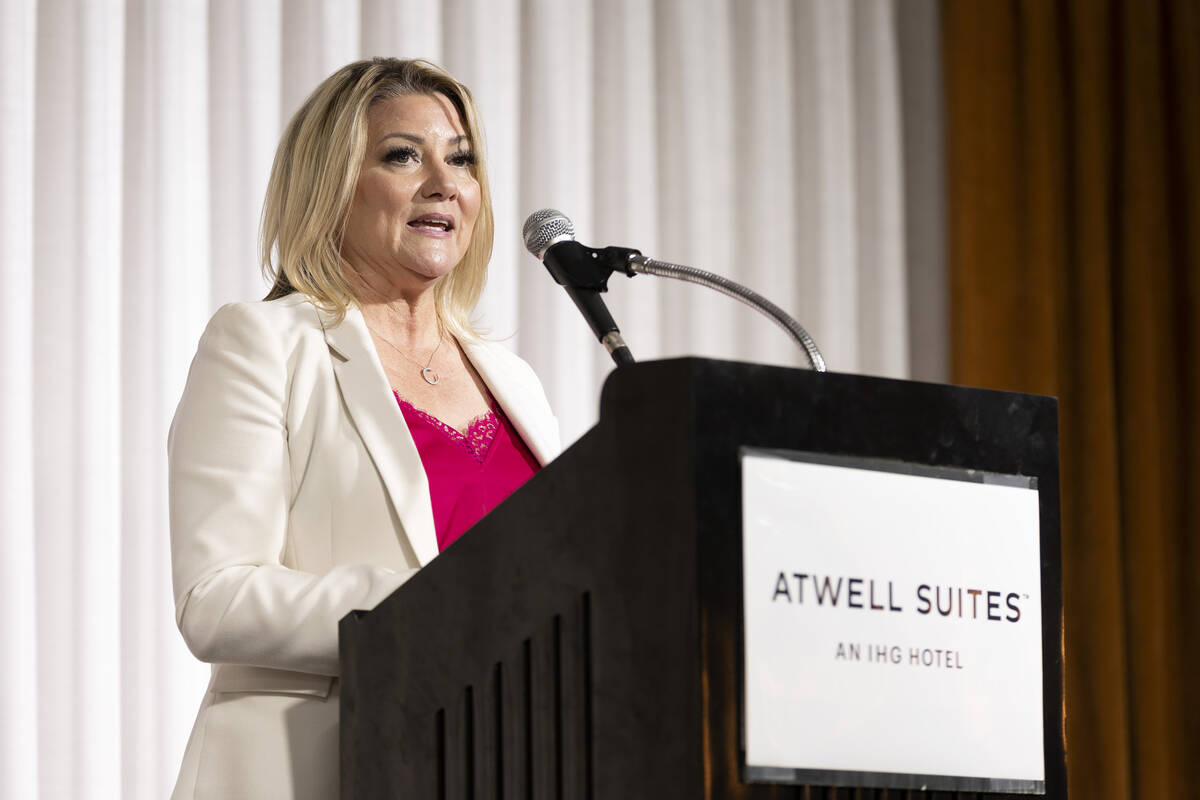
pixel 578 266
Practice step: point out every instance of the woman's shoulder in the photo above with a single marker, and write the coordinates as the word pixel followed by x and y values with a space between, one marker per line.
pixel 282 311
pixel 282 319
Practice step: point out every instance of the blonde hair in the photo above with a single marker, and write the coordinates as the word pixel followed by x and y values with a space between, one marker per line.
pixel 315 174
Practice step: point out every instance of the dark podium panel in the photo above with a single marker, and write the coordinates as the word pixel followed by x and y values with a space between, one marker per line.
pixel 584 640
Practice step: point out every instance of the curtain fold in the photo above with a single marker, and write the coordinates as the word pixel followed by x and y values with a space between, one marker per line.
pixel 760 140
pixel 167 285
pixel 18 587
pixel 245 84
pixel 555 170
pixel 1073 150
pixel 763 112
pixel 77 395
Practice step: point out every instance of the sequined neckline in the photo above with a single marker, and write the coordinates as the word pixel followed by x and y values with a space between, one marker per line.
pixel 481 431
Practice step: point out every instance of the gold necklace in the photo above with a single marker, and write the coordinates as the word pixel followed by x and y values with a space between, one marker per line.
pixel 428 373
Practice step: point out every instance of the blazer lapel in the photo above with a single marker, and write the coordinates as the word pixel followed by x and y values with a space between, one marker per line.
pixel 380 423
pixel 522 399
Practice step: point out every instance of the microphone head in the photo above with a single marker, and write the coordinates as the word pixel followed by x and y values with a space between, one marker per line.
pixel 544 228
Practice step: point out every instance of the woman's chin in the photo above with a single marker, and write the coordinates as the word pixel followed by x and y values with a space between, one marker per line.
pixel 405 268
pixel 429 272
pixel 430 266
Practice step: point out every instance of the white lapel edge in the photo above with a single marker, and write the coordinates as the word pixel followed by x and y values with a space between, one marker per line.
pixel 523 404
pixel 380 423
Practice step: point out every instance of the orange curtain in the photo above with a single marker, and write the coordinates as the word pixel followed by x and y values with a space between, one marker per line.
pixel 1073 164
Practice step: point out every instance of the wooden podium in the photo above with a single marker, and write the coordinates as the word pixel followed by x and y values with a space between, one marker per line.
pixel 584 639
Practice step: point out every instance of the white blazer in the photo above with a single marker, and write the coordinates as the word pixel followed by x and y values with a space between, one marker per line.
pixel 297 495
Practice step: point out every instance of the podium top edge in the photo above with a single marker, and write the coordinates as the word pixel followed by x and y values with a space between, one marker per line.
pixel 695 366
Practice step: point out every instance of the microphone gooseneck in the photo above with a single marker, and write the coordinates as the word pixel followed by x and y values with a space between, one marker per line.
pixel 641 265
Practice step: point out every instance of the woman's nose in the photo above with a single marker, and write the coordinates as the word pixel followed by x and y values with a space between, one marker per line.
pixel 440 182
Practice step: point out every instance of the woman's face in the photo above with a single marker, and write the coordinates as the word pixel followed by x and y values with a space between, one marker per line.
pixel 417 199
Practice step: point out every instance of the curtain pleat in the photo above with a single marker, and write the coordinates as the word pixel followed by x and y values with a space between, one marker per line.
pixel 403 28
pixel 318 37
pixel 556 171
pixel 244 121
pixel 757 140
pixel 19 705
pixel 166 284
pixel 77 457
pixel 767 191
pixel 923 204
pixel 701 208
pixel 879 194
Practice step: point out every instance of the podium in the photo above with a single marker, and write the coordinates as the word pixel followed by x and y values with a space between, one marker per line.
pixel 584 640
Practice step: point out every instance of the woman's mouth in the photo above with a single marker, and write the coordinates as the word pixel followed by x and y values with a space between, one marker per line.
pixel 433 224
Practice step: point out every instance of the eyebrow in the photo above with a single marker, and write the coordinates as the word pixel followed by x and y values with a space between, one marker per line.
pixel 412 137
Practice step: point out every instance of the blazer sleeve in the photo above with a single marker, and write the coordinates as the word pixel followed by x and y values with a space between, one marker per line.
pixel 230 488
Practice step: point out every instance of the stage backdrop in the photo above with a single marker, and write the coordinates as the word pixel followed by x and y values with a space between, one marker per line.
pixel 1073 138
pixel 765 140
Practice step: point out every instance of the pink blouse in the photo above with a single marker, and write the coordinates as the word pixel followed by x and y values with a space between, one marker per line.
pixel 468 475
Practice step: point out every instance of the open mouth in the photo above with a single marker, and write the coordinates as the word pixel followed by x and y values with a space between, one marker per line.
pixel 440 223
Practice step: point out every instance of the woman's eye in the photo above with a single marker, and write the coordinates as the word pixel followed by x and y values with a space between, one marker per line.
pixel 463 158
pixel 401 155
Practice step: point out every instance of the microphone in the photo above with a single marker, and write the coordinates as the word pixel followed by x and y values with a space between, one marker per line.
pixel 583 271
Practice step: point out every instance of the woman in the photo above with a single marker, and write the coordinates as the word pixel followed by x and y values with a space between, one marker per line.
pixel 333 438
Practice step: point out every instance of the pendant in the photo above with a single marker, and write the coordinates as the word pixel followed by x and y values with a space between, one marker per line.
pixel 431 377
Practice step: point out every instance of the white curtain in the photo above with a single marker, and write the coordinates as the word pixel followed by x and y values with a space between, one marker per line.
pixel 760 139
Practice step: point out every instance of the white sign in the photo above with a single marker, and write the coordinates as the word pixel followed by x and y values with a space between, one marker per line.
pixel 892 626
